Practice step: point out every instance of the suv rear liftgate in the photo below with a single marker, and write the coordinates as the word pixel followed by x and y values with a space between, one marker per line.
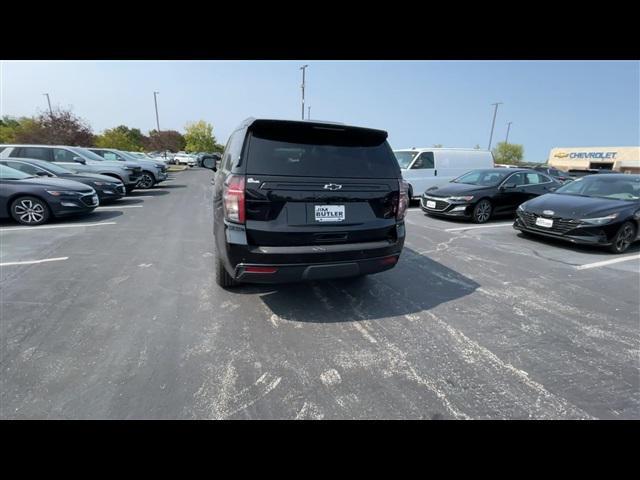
pixel 311 201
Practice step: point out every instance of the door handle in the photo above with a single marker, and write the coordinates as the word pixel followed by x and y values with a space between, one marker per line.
pixel 435 173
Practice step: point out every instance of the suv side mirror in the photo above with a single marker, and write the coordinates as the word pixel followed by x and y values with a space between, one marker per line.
pixel 210 163
pixel 79 160
pixel 43 174
pixel 508 185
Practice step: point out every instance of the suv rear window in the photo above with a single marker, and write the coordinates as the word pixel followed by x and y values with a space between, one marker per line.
pixel 309 151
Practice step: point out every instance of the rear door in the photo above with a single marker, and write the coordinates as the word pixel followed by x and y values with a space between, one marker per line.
pixel 311 185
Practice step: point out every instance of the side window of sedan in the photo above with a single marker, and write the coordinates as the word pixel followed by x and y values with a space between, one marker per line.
pixel 23 167
pixel 516 179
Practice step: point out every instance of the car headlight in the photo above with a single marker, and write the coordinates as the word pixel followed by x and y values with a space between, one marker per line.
pixel 131 169
pixel 58 193
pixel 521 207
pixel 599 220
pixel 104 184
pixel 465 198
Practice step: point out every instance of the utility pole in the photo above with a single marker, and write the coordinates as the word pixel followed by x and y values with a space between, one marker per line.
pixel 49 102
pixel 309 113
pixel 508 128
pixel 155 100
pixel 493 123
pixel 303 68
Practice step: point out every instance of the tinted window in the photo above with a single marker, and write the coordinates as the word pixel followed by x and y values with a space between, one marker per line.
pixel 233 149
pixel 535 178
pixel 425 160
pixel 23 167
pixel 517 179
pixel 63 155
pixel 321 152
pixel 34 152
pixel 486 178
pixel 7 173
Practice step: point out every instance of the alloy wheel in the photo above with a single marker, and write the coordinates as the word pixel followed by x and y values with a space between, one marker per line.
pixel 146 181
pixel 483 211
pixel 29 211
pixel 624 238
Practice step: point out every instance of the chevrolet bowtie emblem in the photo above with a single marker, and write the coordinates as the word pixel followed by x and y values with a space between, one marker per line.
pixel 332 186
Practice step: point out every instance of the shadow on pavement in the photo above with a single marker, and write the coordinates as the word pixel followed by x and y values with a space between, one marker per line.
pixel 416 284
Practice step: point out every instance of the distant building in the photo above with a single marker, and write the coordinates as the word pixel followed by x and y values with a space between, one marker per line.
pixel 620 159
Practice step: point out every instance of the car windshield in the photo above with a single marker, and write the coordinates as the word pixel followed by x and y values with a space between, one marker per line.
pixel 485 178
pixel 405 158
pixel 597 186
pixel 8 173
pixel 88 154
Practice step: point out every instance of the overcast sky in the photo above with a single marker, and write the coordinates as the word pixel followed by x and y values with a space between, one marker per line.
pixel 419 103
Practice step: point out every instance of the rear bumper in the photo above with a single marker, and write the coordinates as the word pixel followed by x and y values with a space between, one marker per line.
pixel 316 271
pixel 312 262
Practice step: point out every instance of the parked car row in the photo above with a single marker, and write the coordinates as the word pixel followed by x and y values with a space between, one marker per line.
pixel 580 206
pixel 43 181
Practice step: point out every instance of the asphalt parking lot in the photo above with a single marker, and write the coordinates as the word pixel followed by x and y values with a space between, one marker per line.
pixel 124 320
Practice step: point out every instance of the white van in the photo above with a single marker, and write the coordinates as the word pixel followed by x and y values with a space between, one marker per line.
pixel 423 168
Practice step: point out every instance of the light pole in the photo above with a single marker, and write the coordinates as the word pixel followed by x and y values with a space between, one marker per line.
pixel 303 68
pixel 309 113
pixel 155 100
pixel 493 123
pixel 49 102
pixel 508 128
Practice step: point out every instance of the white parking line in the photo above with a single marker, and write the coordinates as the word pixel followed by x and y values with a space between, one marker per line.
pixel 45 227
pixel 139 196
pixel 116 207
pixel 607 262
pixel 479 226
pixel 32 262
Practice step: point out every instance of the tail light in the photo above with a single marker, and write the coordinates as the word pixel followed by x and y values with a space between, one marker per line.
pixel 389 260
pixel 233 199
pixel 403 201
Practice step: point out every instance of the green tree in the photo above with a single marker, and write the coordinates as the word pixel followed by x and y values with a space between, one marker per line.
pixel 199 137
pixel 8 128
pixel 122 138
pixel 508 153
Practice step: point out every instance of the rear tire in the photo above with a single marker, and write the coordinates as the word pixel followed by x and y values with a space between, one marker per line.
pixel 482 211
pixel 623 238
pixel 29 210
pixel 223 279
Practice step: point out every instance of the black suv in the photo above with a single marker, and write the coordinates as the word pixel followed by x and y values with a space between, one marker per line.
pixel 302 200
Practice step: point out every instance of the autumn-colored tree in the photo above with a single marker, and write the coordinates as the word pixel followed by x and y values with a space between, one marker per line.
pixel 61 127
pixel 164 140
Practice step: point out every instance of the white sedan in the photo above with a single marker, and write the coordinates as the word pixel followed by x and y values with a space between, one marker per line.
pixel 183 158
